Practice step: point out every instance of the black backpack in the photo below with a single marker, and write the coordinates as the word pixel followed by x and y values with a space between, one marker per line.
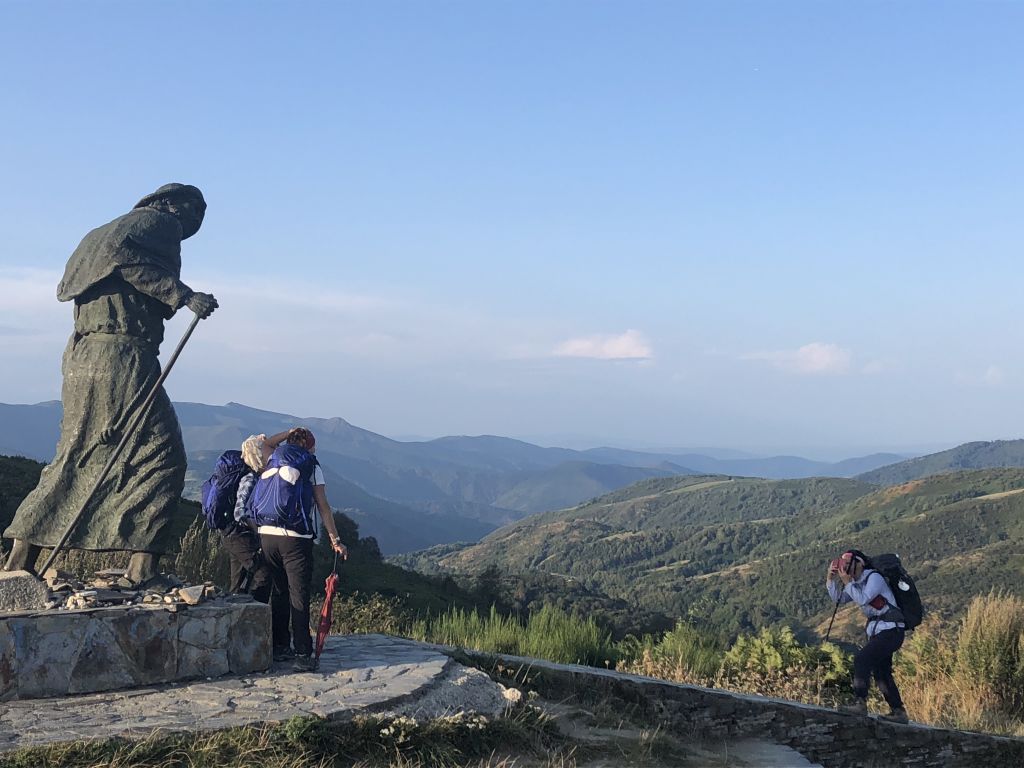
pixel 908 600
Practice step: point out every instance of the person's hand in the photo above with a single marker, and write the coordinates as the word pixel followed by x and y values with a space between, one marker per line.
pixel 202 304
pixel 845 577
pixel 338 547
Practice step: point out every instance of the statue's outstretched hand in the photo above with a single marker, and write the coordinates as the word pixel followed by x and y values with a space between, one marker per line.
pixel 202 304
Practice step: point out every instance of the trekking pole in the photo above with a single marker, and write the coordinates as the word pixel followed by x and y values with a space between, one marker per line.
pixel 133 425
pixel 834 612
pixel 833 571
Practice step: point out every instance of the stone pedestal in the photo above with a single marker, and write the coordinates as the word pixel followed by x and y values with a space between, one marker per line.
pixel 60 652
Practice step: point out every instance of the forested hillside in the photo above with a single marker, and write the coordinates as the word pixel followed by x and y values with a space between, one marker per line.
pixel 744 553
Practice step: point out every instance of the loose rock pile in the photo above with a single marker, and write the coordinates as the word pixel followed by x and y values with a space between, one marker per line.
pixel 112 587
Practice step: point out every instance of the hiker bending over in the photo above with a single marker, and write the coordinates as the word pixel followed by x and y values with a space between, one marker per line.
pixel 885 629
pixel 282 504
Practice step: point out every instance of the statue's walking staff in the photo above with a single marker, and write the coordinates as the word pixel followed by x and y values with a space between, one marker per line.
pixel 137 421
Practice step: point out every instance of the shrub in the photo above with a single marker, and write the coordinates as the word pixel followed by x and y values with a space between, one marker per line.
pixel 932 690
pixel 774 663
pixel 366 614
pixel 990 648
pixel 684 654
pixel 202 558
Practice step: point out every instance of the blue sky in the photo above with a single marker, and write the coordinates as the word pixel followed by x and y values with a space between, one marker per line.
pixel 764 225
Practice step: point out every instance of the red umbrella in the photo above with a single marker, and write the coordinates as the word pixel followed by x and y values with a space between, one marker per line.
pixel 324 627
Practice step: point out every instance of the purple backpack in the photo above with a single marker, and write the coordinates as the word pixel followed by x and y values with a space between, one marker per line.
pixel 221 490
pixel 283 494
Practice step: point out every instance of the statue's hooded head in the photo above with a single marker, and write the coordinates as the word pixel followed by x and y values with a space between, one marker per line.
pixel 182 201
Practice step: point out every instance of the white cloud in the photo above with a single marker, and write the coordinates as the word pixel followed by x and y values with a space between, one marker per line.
pixel 631 345
pixel 816 358
pixel 993 376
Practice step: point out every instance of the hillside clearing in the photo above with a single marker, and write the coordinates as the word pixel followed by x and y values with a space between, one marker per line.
pixel 1000 495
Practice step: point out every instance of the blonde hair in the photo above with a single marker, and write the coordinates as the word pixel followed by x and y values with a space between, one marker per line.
pixel 252 452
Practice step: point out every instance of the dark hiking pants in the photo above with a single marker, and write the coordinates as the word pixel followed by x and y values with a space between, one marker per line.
pixel 248 571
pixel 291 566
pixel 875 658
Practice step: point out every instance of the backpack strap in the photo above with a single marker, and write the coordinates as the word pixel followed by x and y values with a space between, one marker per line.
pixel 892 613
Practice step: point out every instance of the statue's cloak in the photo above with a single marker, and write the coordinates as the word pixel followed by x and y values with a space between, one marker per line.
pixel 142 237
pixel 124 280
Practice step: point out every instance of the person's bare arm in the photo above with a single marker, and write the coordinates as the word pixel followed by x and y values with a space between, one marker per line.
pixel 270 443
pixel 320 496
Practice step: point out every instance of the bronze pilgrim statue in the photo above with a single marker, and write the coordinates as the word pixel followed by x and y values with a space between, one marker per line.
pixel 124 280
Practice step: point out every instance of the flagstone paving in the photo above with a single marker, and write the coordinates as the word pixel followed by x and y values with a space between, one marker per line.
pixel 357 674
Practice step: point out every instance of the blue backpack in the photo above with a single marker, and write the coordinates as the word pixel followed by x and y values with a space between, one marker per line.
pixel 221 490
pixel 283 494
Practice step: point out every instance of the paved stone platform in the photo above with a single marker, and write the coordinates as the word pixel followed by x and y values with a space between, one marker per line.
pixel 358 674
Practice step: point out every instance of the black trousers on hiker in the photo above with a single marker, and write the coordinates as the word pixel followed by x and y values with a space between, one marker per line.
pixel 875 658
pixel 291 566
pixel 248 571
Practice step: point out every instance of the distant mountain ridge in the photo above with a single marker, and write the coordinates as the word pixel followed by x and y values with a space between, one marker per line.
pixel 976 455
pixel 421 493
pixel 32 430
pixel 407 495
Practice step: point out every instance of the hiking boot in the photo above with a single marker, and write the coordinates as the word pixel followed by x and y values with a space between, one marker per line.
pixel 283 654
pixel 897 715
pixel 304 662
pixel 856 707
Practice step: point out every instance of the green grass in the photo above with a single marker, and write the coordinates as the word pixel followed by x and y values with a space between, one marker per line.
pixel 316 743
pixel 684 653
pixel 549 634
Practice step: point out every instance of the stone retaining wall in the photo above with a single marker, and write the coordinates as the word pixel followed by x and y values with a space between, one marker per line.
pixel 828 737
pixel 60 652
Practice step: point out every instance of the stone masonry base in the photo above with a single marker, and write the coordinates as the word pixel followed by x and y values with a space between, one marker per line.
pixel 55 653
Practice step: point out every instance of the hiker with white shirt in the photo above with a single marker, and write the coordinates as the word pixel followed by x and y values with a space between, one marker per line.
pixel 851 578
pixel 282 504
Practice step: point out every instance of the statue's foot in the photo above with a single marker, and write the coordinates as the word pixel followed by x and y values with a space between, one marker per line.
pixel 143 573
pixel 23 557
pixel 142 567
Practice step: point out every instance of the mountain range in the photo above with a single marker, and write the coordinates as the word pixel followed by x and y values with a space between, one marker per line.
pixel 670 532
pixel 976 455
pixel 413 494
